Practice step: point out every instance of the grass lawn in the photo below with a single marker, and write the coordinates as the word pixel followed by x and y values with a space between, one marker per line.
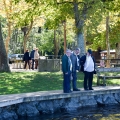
pixel 23 82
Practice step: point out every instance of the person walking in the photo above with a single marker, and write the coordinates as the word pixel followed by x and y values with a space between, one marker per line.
pixel 66 69
pixel 27 59
pixel 36 57
pixel 32 58
pixel 88 67
pixel 75 66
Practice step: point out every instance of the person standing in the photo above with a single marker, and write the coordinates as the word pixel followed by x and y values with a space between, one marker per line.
pixel 66 69
pixel 88 67
pixel 75 66
pixel 27 59
pixel 32 58
pixel 36 57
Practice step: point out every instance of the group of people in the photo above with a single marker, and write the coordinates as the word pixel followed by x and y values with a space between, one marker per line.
pixel 71 63
pixel 31 58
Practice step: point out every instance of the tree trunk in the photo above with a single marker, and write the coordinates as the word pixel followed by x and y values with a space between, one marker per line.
pixel 8 11
pixel 79 23
pixel 65 43
pixel 26 31
pixel 25 42
pixel 117 56
pixel 81 43
pixel 55 45
pixel 7 41
pixel 107 41
pixel 4 67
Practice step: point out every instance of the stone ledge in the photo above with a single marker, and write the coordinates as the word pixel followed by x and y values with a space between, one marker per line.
pixel 48 102
pixel 6 100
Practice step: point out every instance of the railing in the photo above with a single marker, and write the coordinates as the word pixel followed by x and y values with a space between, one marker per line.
pixel 48 63
pixel 17 64
pixel 51 57
pixel 112 62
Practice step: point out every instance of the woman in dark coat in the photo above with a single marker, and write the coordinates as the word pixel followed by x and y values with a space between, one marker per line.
pixel 27 59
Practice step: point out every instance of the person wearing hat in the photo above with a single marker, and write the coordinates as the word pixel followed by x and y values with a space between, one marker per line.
pixel 75 58
pixel 66 69
pixel 88 67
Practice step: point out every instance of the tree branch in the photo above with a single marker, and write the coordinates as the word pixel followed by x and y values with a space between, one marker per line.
pixel 31 24
pixel 69 2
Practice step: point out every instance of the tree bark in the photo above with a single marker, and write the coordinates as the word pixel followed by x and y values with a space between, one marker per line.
pixel 117 56
pixel 65 42
pixel 8 11
pixel 79 23
pixel 4 67
pixel 107 41
pixel 7 41
pixel 25 42
pixel 81 43
pixel 26 34
pixel 55 45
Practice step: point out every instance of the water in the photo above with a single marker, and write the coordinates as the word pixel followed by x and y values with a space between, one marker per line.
pixel 88 113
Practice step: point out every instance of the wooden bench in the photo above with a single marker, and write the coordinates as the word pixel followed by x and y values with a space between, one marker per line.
pixel 103 73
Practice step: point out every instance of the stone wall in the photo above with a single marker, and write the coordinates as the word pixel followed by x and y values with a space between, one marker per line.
pixel 49 65
pixel 37 105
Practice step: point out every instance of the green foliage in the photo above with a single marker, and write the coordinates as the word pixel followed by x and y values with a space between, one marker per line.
pixel 46 41
pixel 115 34
pixel 55 12
pixel 96 25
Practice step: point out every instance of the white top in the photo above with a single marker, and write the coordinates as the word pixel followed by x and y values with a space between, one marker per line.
pixel 70 62
pixel 36 55
pixel 89 64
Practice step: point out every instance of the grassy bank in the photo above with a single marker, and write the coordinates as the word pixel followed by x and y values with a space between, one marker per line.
pixel 11 83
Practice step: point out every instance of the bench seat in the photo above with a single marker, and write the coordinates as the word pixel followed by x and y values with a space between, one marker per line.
pixel 102 77
pixel 101 74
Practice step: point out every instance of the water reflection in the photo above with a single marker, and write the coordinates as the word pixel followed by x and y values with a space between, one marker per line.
pixel 88 113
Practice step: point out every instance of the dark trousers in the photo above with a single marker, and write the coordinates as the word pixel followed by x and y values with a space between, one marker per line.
pixel 74 80
pixel 33 63
pixel 88 78
pixel 36 63
pixel 27 62
pixel 66 83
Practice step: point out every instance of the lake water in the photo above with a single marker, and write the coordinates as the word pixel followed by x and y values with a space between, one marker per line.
pixel 89 113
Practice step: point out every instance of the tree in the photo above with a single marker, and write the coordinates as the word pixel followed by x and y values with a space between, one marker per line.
pixel 26 30
pixel 7 5
pixel 3 59
pixel 55 12
pixel 96 29
pixel 25 17
pixel 80 11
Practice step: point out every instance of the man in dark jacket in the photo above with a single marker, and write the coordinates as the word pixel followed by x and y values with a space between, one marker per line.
pixel 88 67
pixel 32 58
pixel 27 59
pixel 66 69
pixel 75 66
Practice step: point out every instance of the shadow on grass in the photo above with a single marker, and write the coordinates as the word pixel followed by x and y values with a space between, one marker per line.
pixel 21 82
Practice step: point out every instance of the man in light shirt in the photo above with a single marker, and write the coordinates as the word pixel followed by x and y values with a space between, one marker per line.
pixel 88 67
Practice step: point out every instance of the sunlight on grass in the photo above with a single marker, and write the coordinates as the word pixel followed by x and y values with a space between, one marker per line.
pixel 11 83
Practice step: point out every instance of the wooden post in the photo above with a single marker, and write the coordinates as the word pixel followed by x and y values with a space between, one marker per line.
pixel 65 43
